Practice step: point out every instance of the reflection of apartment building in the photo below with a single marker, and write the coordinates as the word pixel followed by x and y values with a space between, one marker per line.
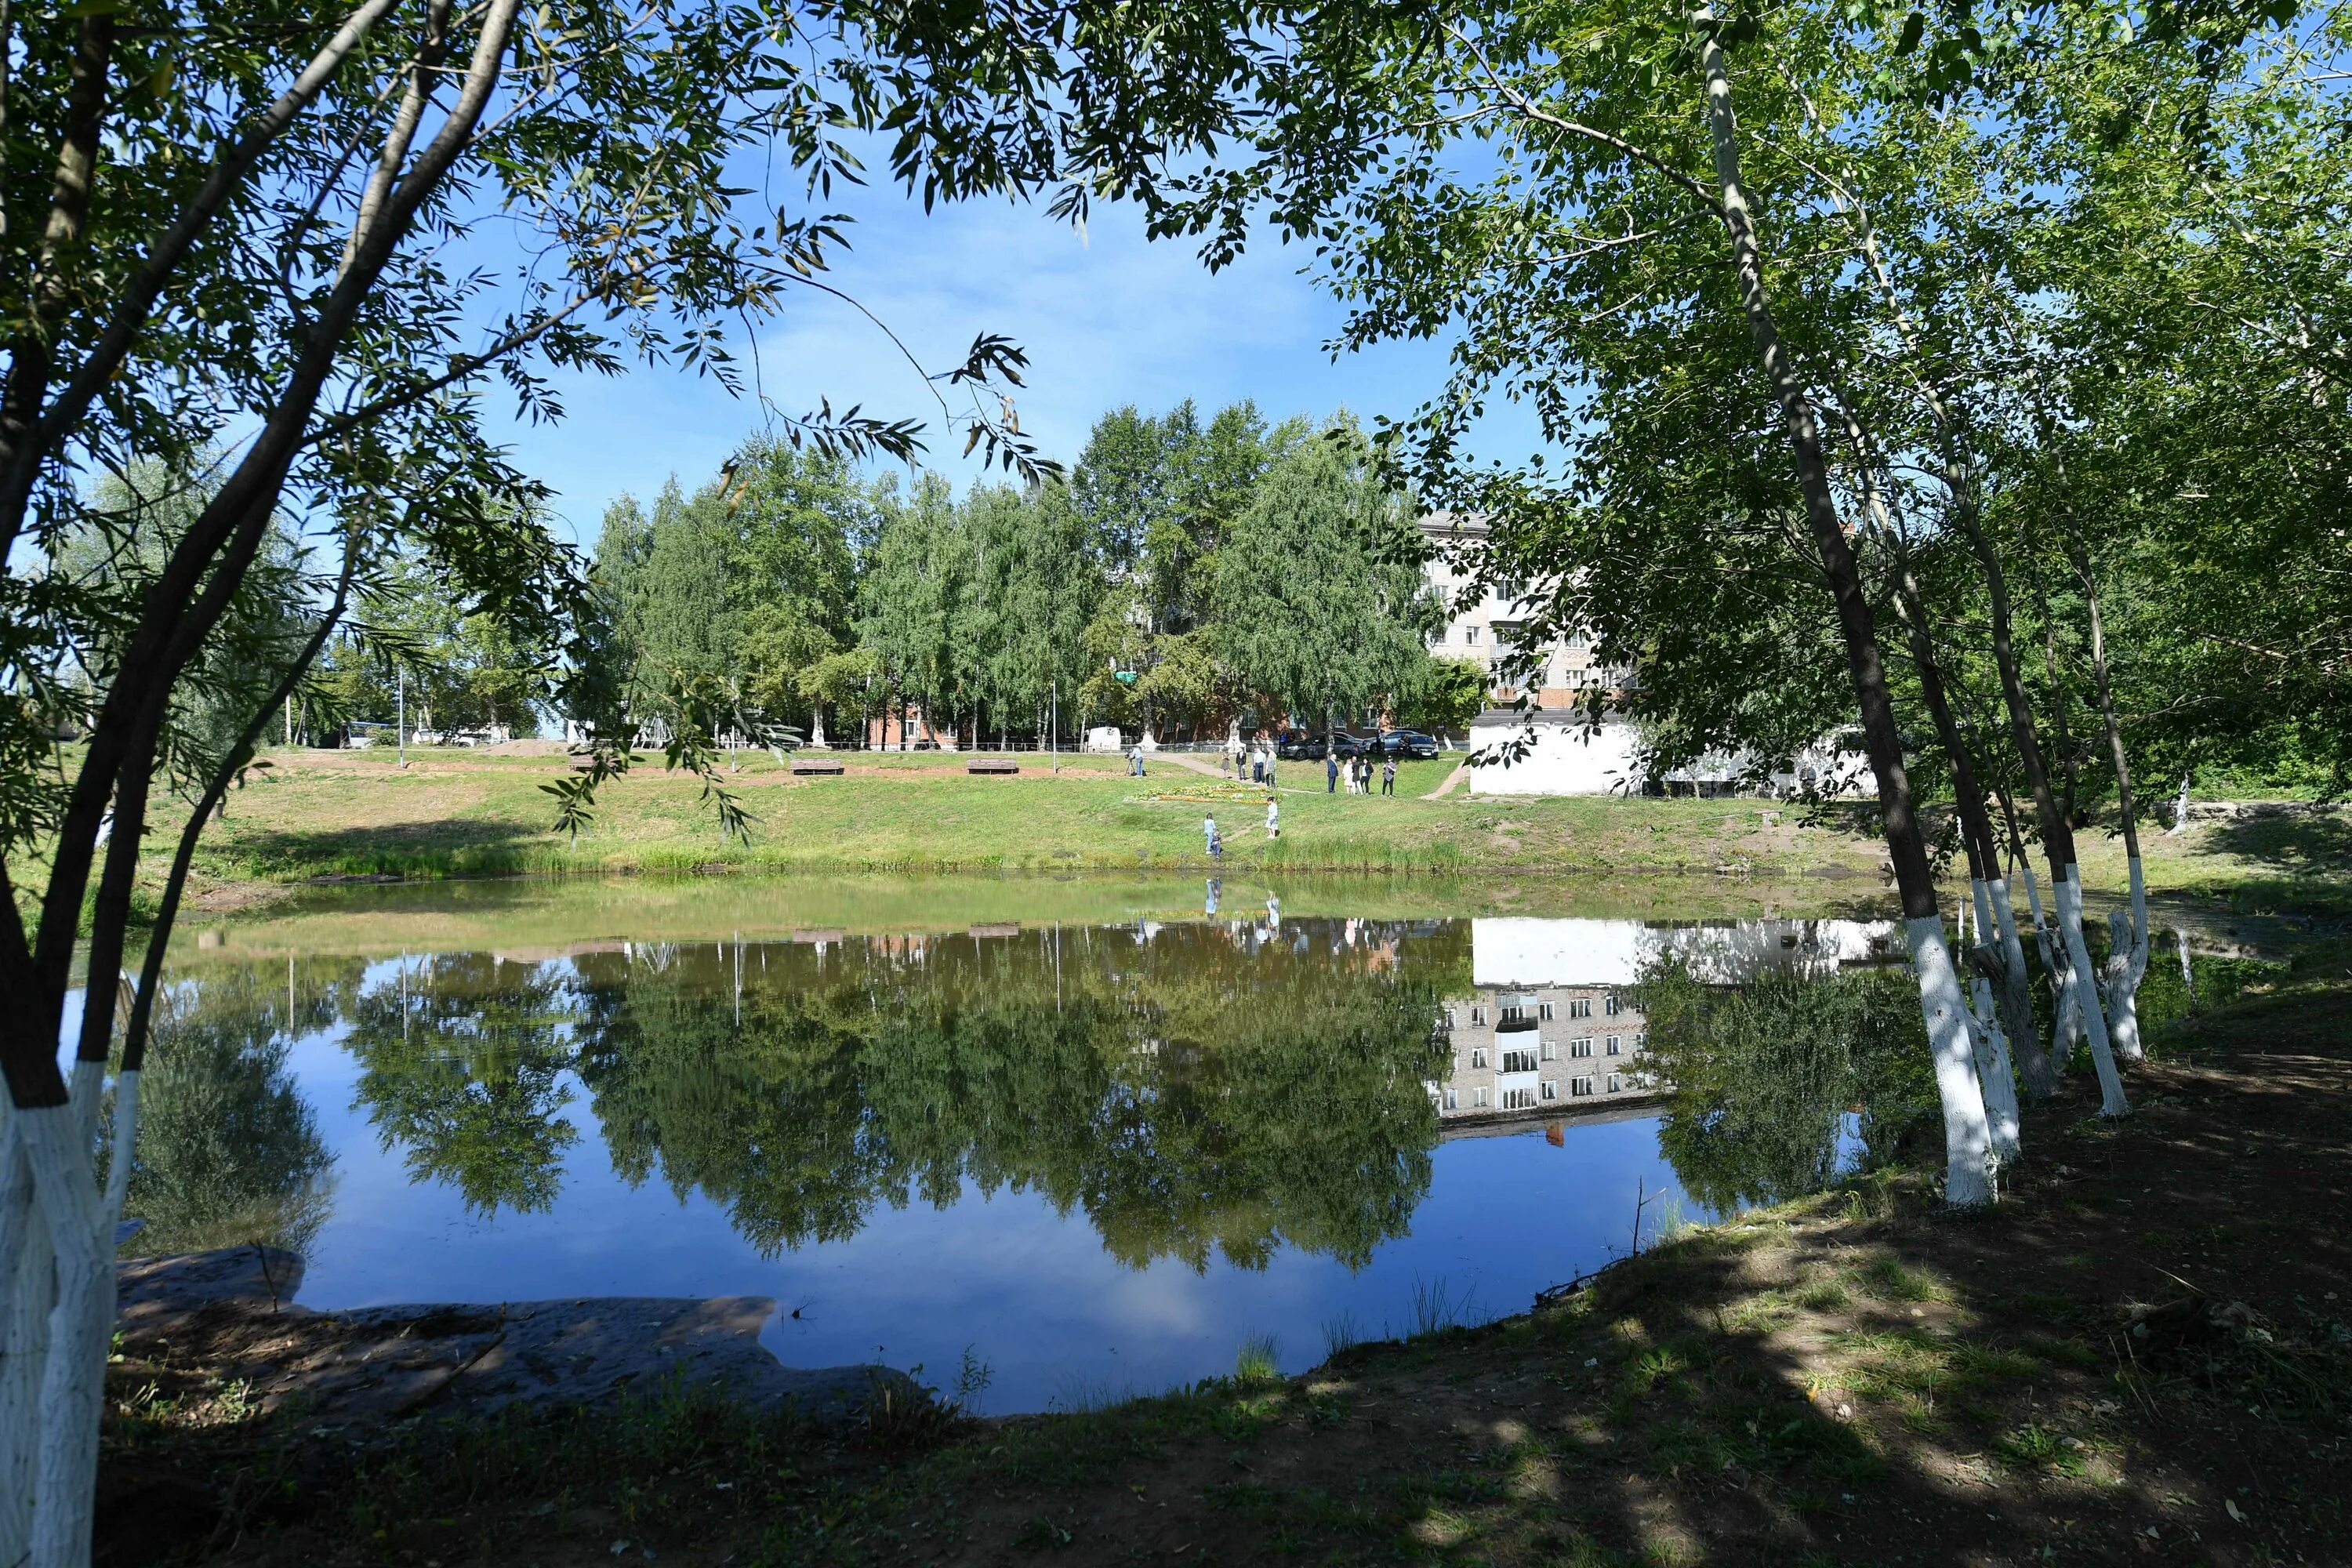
pixel 1552 1023
pixel 1489 629
pixel 1520 1049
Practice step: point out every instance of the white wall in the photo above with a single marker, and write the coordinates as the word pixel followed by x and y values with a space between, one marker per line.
pixel 1562 760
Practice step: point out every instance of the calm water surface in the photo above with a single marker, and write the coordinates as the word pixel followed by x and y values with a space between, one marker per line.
pixel 1095 1155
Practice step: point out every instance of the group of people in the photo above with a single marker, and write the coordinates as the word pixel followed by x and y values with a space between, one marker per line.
pixel 1358 772
pixel 1258 758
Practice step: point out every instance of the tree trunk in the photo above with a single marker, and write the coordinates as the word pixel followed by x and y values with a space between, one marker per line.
pixel 2040 1067
pixel 1993 1066
pixel 2128 935
pixel 1967 1136
pixel 2016 1027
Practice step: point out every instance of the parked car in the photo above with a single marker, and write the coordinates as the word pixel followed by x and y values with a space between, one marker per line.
pixel 1298 746
pixel 1344 745
pixel 1410 744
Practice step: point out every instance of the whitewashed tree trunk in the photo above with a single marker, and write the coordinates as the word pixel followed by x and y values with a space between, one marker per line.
pixel 2179 811
pixel 73 1378
pixel 1994 1068
pixel 30 1280
pixel 2188 977
pixel 1968 1137
pixel 1995 1072
pixel 1993 1061
pixel 2080 987
pixel 2129 941
pixel 2016 1000
pixel 57 1320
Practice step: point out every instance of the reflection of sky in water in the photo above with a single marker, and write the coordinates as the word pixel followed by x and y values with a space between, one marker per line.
pixel 1033 1293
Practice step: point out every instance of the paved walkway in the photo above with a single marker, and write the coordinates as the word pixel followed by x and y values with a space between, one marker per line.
pixel 1460 775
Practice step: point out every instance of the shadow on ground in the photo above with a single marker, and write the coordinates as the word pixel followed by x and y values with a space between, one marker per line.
pixel 2302 841
pixel 452 845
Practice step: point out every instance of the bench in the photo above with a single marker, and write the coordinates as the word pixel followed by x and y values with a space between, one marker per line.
pixel 814 768
pixel 992 765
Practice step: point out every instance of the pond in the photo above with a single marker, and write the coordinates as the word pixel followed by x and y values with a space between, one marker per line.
pixel 1092 1137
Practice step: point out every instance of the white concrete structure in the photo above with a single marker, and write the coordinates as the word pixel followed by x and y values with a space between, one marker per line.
pixel 1513 753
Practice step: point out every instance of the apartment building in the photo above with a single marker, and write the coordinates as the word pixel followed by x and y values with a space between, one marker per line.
pixel 1489 628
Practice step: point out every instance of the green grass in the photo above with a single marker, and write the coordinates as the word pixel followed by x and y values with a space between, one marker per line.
pixel 359 814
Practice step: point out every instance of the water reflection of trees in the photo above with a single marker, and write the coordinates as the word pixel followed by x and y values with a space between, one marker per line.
pixel 1770 1074
pixel 1197 1093
pixel 462 1061
pixel 229 1152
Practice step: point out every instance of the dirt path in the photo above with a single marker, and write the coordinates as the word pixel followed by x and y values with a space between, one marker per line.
pixel 1460 774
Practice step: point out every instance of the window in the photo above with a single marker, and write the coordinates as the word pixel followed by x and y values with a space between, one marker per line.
pixel 1449 1017
pixel 1580 1047
pixel 1579 1085
pixel 1518 1100
pixel 1614 1049
pixel 1580 1008
pixel 1551 1088
pixel 1616 1082
pixel 1478 1056
pixel 1477 1098
pixel 1550 1050
pixel 1546 1012
pixel 1580 640
pixel 1469 637
pixel 1640 1041
pixel 1453 1099
pixel 1518 1061
pixel 1477 1014
pixel 1615 1006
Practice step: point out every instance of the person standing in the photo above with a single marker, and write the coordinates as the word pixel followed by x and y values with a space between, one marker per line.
pixel 1257 766
pixel 1216 846
pixel 1388 776
pixel 1330 773
pixel 1273 817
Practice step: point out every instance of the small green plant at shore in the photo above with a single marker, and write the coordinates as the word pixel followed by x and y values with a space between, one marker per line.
pixel 1257 1361
pixel 1436 1308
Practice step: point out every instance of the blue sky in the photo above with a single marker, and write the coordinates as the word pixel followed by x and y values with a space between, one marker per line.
pixel 1107 318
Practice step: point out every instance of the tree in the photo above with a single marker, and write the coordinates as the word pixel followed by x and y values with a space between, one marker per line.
pixel 1318 597
pixel 267 220
pixel 1444 694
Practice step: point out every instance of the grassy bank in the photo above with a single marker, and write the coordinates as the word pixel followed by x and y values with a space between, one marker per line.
pixel 2143 1354
pixel 325 814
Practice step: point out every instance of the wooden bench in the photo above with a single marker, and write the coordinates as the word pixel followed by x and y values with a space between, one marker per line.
pixel 992 765
pixel 814 768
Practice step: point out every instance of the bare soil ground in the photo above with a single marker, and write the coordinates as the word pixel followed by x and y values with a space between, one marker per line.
pixel 2142 1355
